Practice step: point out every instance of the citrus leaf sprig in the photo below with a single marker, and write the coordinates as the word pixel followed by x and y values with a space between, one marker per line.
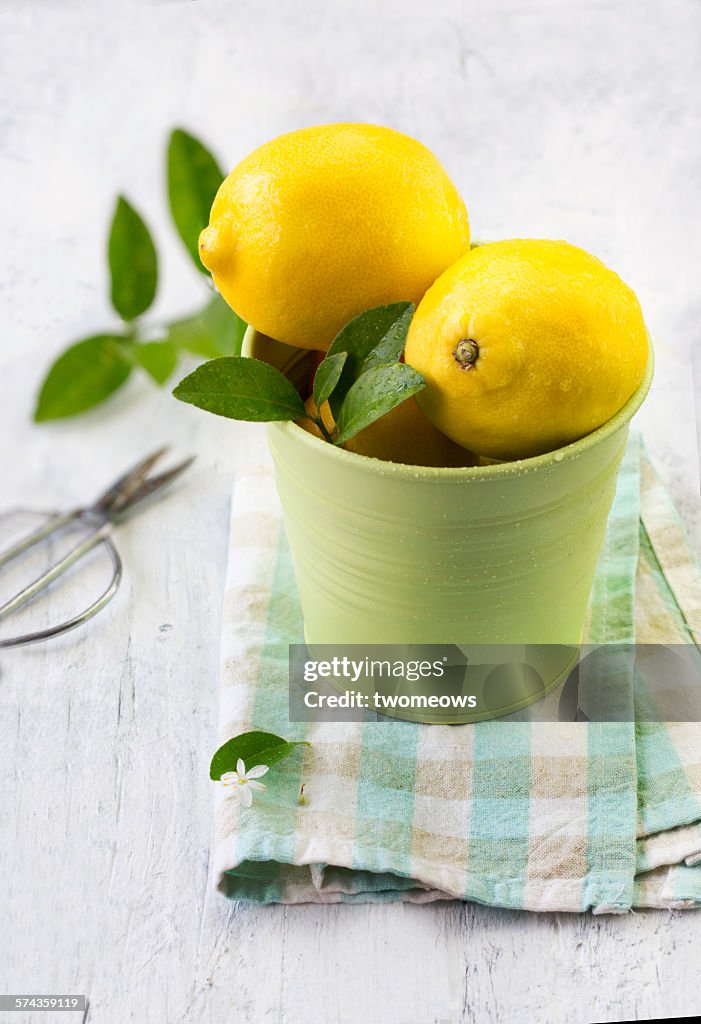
pixel 193 179
pixel 92 369
pixel 133 262
pixel 241 389
pixel 373 339
pixel 252 747
pixel 361 377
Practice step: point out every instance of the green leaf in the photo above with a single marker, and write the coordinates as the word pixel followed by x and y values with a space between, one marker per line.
pixel 214 331
pixel 241 389
pixel 375 393
pixel 372 339
pixel 158 358
pixel 133 262
pixel 253 748
pixel 392 345
pixel 83 376
pixel 327 376
pixel 193 179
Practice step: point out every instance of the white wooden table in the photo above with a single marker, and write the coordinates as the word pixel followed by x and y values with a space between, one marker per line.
pixel 556 119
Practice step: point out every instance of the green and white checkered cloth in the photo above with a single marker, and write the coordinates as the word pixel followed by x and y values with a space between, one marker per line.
pixel 527 815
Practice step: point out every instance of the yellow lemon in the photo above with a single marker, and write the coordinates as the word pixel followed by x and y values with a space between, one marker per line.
pixel 321 224
pixel 526 346
pixel 402 435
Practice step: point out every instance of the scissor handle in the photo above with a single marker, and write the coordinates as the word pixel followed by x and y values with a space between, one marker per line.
pixel 55 522
pixel 77 620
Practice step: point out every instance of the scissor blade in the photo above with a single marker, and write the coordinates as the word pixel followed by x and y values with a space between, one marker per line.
pixel 150 486
pixel 119 493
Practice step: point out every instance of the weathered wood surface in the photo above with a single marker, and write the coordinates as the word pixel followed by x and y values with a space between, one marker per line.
pixel 556 120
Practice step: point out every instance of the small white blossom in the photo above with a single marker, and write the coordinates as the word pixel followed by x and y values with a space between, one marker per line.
pixel 244 782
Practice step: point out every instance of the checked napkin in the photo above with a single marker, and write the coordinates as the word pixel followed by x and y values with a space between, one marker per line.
pixel 527 815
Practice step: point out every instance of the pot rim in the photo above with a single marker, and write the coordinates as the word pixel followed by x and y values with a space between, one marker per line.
pixel 534 463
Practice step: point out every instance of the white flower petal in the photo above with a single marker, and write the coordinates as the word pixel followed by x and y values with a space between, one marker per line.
pixel 246 795
pixel 240 767
pixel 256 771
pixel 252 784
pixel 229 778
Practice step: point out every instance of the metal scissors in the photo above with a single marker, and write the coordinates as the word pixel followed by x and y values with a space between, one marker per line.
pixel 101 517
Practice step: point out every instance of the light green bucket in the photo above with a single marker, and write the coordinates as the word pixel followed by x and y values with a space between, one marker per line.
pixel 394 554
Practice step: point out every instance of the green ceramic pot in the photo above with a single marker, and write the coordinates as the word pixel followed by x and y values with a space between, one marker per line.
pixel 393 554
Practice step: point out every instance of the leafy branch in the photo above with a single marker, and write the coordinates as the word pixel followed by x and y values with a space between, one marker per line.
pixel 361 377
pixel 92 369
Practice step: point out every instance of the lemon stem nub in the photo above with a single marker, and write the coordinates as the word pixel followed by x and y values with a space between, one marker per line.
pixel 466 353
